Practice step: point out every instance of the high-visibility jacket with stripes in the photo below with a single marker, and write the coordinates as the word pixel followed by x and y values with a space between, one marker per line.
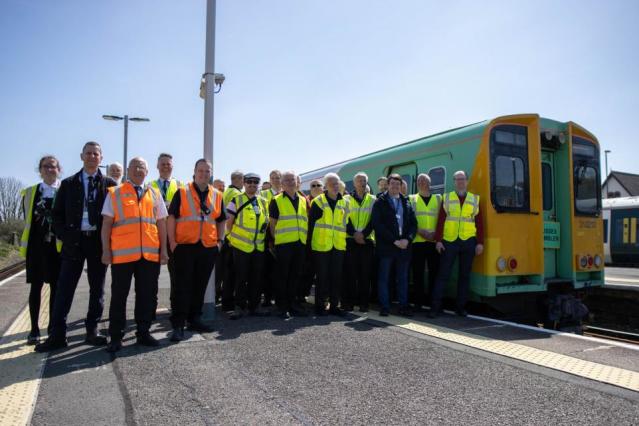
pixel 249 229
pixel 28 197
pixel 268 195
pixel 360 214
pixel 134 233
pixel 329 231
pixel 171 190
pixel 460 222
pixel 291 225
pixel 426 214
pixel 229 193
pixel 193 225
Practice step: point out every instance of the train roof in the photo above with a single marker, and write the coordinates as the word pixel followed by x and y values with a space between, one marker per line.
pixel 619 202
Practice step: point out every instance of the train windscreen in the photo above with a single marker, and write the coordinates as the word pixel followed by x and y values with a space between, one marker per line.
pixel 586 173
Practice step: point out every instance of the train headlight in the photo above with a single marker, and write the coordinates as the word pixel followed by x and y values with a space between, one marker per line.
pixel 583 262
pixel 598 261
pixel 501 264
pixel 512 263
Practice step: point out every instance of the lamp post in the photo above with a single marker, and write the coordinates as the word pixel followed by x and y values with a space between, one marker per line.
pixel 606 152
pixel 126 134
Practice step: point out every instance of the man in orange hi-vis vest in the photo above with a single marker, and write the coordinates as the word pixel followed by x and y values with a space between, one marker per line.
pixel 134 243
pixel 196 230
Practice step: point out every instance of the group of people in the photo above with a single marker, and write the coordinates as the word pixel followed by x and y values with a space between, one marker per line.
pixel 265 245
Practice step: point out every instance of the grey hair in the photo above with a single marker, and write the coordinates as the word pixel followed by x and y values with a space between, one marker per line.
pixel 361 174
pixel 331 176
pixel 460 172
pixel 139 159
pixel 237 174
pixel 115 163
pixel 289 172
pixel 425 176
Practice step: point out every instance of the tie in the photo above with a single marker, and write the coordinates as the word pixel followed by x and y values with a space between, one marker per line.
pixel 91 204
pixel 138 190
pixel 165 186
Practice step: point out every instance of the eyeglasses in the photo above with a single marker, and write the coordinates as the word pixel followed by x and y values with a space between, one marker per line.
pixel 316 185
pixel 252 181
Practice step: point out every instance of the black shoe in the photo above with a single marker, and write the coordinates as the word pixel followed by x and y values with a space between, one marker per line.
pixel 51 344
pixel 145 339
pixel 405 311
pixel 114 346
pixel 383 312
pixel 258 313
pixel 200 327
pixel 236 314
pixel 298 312
pixel 461 312
pixel 363 309
pixel 95 338
pixel 177 335
pixel 336 311
pixel 33 338
pixel 284 315
pixel 320 312
pixel 347 308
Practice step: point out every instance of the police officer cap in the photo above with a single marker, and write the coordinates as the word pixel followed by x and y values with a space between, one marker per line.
pixel 251 176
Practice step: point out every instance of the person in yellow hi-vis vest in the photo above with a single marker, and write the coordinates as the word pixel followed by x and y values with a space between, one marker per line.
pixel 224 278
pixel 459 235
pixel 269 287
pixel 38 243
pixel 426 206
pixel 247 222
pixel 288 223
pixel 134 243
pixel 327 233
pixel 360 246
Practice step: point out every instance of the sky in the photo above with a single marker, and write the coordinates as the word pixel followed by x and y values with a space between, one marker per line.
pixel 308 83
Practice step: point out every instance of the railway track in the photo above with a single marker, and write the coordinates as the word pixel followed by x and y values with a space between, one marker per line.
pixel 11 269
pixel 609 334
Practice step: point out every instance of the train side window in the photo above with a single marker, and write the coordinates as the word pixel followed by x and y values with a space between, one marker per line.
pixel 437 180
pixel 546 182
pixel 509 168
pixel 605 231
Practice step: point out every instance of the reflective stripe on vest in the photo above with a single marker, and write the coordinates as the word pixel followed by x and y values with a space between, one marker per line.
pixel 426 214
pixel 330 230
pixel 360 214
pixel 248 231
pixel 193 226
pixel 291 225
pixel 134 233
pixel 173 187
pixel 28 197
pixel 460 223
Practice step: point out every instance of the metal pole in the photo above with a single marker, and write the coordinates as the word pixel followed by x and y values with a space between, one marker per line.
pixel 209 80
pixel 606 157
pixel 126 147
pixel 208 310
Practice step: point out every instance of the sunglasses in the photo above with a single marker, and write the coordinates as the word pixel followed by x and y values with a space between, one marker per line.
pixel 316 185
pixel 252 181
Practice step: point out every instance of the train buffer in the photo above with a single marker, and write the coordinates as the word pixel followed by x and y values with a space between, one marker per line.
pixel 306 370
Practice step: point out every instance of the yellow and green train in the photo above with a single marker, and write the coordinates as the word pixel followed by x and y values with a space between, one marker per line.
pixel 540 196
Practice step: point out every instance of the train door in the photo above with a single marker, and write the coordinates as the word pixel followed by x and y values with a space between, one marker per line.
pixel 408 172
pixel 551 224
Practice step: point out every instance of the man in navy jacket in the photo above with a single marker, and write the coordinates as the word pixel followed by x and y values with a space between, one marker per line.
pixel 395 226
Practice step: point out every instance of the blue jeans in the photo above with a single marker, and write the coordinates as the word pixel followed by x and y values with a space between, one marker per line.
pixel 402 262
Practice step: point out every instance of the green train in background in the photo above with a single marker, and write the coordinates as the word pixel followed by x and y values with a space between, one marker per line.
pixel 540 196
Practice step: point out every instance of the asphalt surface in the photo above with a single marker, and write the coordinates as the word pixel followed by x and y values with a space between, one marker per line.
pixel 309 371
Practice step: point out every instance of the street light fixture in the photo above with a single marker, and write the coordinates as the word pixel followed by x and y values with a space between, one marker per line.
pixel 126 134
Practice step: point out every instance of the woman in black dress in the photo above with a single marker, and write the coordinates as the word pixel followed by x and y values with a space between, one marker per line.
pixel 39 244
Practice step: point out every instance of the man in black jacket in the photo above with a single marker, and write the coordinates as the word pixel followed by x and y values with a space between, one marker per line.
pixel 395 226
pixel 77 222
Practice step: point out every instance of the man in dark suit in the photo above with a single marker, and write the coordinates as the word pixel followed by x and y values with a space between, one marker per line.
pixel 395 226
pixel 77 222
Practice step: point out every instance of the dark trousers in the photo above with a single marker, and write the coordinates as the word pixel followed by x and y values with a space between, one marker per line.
pixel 249 268
pixel 398 262
pixel 271 276
pixel 35 297
pixel 330 267
pixel 193 266
pixel 146 276
pixel 228 280
pixel 359 262
pixel 219 278
pixel 70 272
pixel 465 252
pixel 290 260
pixel 424 253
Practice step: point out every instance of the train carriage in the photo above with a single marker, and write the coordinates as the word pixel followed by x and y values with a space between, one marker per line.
pixel 540 195
pixel 621 222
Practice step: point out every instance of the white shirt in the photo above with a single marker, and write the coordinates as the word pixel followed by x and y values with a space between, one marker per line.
pixel 48 191
pixel 159 209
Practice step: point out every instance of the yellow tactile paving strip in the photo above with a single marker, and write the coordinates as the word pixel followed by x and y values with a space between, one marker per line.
pixel 590 370
pixel 21 367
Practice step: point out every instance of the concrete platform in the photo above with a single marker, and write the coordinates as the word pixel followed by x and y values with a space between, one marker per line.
pixel 325 370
